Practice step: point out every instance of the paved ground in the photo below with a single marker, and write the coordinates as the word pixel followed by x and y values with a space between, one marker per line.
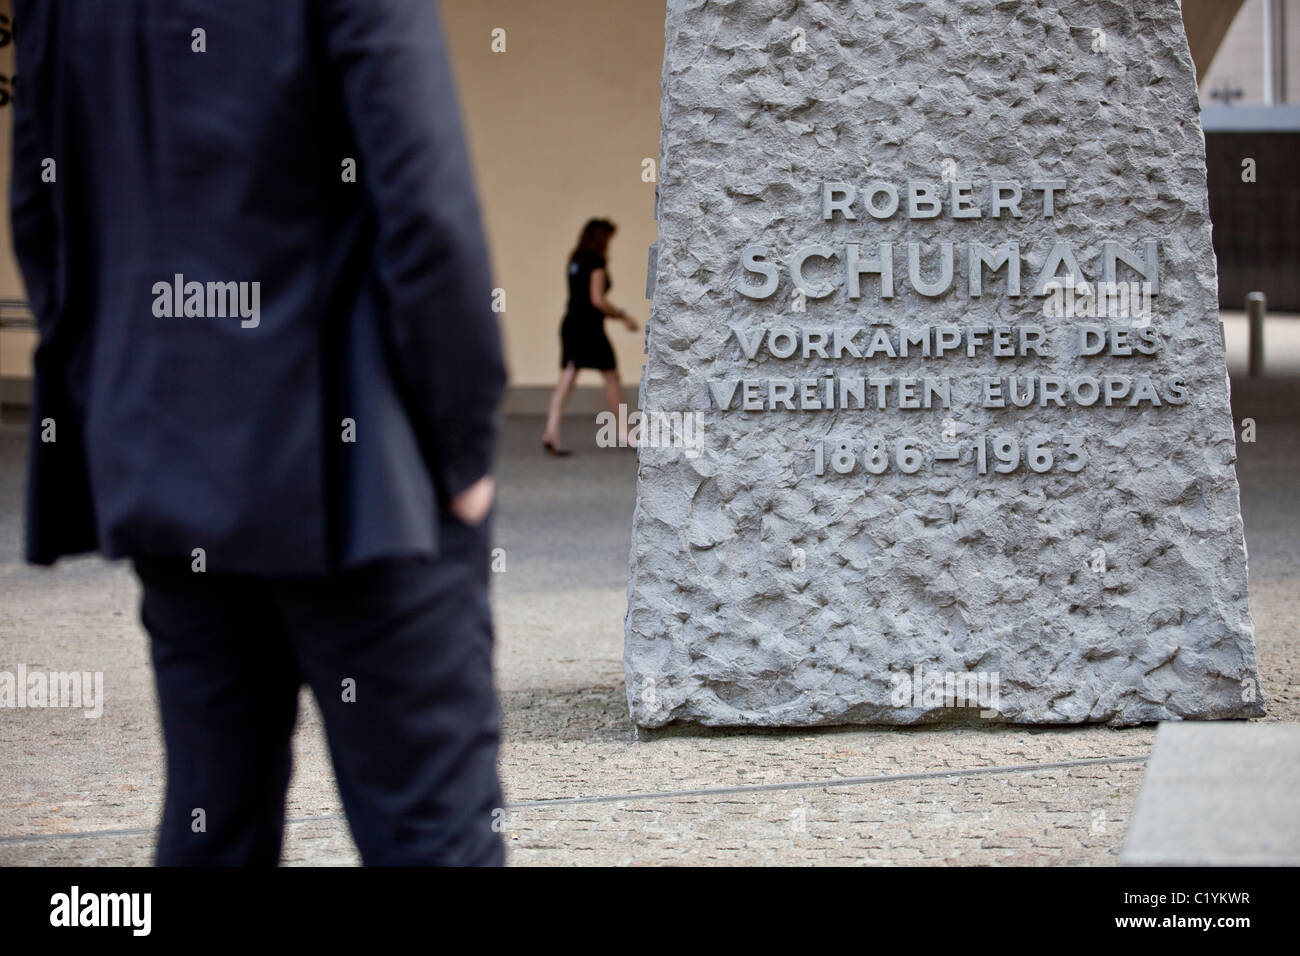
pixel 583 786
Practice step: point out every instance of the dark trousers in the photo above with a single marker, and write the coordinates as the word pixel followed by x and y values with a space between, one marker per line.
pixel 399 656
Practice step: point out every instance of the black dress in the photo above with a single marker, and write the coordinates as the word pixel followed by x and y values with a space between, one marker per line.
pixel 582 333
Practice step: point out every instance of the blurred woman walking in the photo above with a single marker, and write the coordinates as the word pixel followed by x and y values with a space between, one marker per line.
pixel 582 333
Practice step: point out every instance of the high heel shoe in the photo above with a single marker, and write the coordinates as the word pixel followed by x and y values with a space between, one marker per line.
pixel 556 452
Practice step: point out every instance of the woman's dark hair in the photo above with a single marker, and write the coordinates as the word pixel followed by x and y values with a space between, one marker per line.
pixel 594 238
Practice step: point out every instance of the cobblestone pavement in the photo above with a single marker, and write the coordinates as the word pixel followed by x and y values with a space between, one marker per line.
pixel 583 786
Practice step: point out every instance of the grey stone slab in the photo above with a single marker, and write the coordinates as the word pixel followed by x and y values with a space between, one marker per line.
pixel 1219 795
pixel 1107 585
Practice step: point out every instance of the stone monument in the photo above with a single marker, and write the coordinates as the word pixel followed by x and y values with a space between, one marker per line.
pixel 936 419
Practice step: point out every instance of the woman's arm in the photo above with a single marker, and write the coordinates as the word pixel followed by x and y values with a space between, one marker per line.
pixel 604 305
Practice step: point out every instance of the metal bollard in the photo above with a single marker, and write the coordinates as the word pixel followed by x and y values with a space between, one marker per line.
pixel 1256 308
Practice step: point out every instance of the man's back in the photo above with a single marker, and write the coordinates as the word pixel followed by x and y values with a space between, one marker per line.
pixel 250 353
pixel 259 277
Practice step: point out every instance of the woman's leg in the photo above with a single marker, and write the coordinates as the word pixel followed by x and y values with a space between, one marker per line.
pixel 613 399
pixel 555 412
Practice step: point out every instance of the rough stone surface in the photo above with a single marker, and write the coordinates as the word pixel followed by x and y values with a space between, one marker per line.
pixel 944 569
pixel 1219 795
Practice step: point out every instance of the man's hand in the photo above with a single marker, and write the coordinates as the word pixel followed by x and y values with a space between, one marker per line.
pixel 471 505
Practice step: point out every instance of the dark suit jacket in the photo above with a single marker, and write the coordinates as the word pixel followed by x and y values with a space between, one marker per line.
pixel 228 164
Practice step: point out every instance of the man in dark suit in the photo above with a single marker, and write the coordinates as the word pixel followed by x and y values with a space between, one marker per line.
pixel 268 373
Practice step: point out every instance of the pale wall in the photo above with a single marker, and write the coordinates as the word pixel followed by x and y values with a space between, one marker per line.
pixel 559 125
pixel 15 346
pixel 1240 59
